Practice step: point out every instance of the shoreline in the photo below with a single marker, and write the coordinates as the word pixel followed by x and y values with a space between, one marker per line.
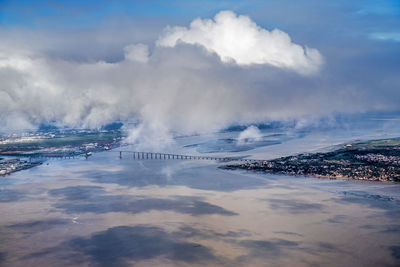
pixel 374 160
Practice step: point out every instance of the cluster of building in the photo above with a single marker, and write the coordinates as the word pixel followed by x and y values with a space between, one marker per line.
pixel 32 136
pixel 14 165
pixel 24 137
pixel 349 164
pixel 379 158
pixel 58 143
pixel 53 143
pixel 72 151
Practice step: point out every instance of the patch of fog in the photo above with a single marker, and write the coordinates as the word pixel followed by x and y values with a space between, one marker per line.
pixel 250 135
pixel 168 171
pixel 150 137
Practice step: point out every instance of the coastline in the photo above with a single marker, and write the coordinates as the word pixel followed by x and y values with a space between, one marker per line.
pixel 374 160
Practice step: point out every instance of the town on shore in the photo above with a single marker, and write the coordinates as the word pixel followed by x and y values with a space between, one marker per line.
pixel 377 160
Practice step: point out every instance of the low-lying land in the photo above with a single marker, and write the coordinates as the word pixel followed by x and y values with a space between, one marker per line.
pixel 52 144
pixel 377 160
pixel 59 143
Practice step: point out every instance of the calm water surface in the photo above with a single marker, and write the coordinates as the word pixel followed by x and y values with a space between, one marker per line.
pixel 110 212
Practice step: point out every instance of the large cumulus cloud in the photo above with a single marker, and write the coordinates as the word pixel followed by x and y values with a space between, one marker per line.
pixel 238 39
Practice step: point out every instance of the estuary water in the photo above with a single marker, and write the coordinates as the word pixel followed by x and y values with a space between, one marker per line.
pixel 107 211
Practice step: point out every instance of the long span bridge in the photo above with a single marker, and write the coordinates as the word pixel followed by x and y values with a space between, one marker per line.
pixel 165 156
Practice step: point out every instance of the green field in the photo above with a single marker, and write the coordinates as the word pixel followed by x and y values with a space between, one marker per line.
pixel 376 144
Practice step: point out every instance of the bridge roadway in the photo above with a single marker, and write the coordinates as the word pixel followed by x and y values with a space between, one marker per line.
pixel 155 155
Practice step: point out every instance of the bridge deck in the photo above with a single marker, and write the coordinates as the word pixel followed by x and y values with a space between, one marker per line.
pixel 156 155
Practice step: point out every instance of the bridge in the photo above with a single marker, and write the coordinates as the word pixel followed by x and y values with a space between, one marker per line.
pixel 165 156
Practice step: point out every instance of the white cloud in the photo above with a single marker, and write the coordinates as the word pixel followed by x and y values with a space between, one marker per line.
pixel 240 40
pixel 251 134
pixel 386 36
pixel 137 52
pixel 150 136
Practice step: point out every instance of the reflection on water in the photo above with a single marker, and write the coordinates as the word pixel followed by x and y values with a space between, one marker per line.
pixel 110 212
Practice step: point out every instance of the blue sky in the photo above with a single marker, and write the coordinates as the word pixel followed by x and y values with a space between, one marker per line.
pixel 309 21
pixel 91 13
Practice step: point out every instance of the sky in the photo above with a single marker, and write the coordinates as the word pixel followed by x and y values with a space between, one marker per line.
pixel 195 66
